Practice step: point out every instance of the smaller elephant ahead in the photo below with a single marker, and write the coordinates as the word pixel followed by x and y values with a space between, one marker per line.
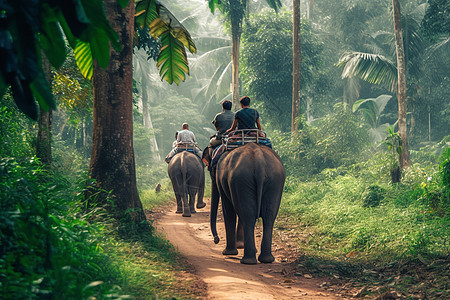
pixel 188 180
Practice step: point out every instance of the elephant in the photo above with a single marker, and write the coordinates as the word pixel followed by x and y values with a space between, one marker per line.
pixel 186 171
pixel 250 182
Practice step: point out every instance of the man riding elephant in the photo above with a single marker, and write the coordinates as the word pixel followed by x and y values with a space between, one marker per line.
pixel 246 117
pixel 222 121
pixel 184 139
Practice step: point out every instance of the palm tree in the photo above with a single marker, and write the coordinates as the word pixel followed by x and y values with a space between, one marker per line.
pixel 380 69
pixel 296 72
pixel 235 11
pixel 401 86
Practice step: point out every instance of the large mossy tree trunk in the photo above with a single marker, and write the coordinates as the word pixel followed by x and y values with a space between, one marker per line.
pixel 112 160
pixel 401 86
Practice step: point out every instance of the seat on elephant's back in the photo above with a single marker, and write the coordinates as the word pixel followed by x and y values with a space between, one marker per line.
pixel 180 147
pixel 239 138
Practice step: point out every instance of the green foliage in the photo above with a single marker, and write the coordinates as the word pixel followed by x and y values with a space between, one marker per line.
pixel 373 196
pixel 373 68
pixel 403 225
pixel 445 169
pixel 437 18
pixel 48 247
pixel 40 26
pixel 17 134
pixel 162 25
pixel 267 66
pixel 335 140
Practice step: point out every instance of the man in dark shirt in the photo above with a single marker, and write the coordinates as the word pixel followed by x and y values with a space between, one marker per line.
pixel 245 118
pixel 222 121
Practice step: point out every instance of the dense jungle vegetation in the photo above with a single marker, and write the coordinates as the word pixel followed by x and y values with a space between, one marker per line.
pixel 60 239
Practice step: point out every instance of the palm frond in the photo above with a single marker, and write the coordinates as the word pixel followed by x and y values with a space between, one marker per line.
pixel 275 4
pixel 172 59
pixel 373 68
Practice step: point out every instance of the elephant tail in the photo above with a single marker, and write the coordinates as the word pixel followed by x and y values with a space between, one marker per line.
pixel 184 174
pixel 259 187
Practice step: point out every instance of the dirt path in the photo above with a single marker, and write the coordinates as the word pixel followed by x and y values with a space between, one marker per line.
pixel 225 276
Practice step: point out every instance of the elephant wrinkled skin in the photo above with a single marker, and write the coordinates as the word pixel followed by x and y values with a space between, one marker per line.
pixel 188 180
pixel 250 181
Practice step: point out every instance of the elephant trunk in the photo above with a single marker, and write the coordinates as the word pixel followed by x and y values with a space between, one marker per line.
pixel 214 207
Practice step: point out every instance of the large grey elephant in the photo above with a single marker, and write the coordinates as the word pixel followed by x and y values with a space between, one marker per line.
pixel 250 181
pixel 188 180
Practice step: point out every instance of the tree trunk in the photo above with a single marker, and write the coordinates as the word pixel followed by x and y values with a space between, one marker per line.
pixel 296 66
pixel 44 140
pixel 112 159
pixel 236 15
pixel 401 89
pixel 147 120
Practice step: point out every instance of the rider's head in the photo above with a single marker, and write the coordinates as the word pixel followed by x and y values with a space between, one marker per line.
pixel 185 126
pixel 245 101
pixel 226 105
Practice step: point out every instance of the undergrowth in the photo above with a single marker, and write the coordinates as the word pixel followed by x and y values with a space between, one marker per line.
pixel 53 247
pixel 406 219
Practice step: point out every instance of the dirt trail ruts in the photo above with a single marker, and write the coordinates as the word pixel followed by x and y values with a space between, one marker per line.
pixel 225 276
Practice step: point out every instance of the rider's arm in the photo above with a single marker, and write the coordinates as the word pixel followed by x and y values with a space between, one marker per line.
pixel 258 124
pixel 233 127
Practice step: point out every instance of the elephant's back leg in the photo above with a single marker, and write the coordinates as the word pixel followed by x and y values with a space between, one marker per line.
pixel 229 217
pixel 270 204
pixel 177 185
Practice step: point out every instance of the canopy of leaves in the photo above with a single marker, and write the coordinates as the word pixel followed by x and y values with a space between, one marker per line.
pixel 437 18
pixel 267 65
pixel 27 27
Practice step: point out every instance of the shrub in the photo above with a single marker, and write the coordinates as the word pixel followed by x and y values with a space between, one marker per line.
pixel 337 140
pixel 48 248
pixel 373 196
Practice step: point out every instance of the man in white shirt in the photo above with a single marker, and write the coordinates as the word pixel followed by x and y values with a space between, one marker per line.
pixel 187 137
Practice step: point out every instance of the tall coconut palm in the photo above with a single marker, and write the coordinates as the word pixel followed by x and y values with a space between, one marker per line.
pixel 380 69
pixel 401 87
pixel 235 11
pixel 296 71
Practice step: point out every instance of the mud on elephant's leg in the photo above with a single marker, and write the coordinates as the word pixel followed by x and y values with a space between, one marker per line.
pixel 229 217
pixel 266 244
pixel 249 247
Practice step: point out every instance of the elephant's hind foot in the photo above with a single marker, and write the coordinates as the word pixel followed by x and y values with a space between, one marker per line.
pixel 201 205
pixel 249 261
pixel 230 252
pixel 266 259
pixel 179 212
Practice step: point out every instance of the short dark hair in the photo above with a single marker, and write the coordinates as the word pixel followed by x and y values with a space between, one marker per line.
pixel 227 105
pixel 245 101
pixel 185 126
